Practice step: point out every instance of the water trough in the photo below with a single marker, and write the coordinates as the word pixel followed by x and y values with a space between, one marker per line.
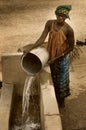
pixel 43 110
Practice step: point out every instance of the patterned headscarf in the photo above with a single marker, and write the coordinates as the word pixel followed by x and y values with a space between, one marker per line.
pixel 63 9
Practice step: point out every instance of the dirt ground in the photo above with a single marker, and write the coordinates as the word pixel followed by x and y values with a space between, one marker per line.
pixel 21 23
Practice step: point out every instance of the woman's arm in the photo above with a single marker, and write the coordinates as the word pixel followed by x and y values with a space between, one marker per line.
pixel 70 40
pixel 41 39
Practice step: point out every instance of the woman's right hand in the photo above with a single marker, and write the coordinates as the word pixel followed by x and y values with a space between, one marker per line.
pixel 23 50
pixel 26 48
pixel 19 50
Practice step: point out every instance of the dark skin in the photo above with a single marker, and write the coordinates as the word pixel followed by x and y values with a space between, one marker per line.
pixel 59 22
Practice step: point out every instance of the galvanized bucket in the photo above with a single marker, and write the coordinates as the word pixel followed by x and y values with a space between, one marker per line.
pixel 35 60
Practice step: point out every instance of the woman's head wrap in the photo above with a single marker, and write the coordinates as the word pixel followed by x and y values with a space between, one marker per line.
pixel 63 9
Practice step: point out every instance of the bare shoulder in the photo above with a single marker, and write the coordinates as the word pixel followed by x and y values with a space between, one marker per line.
pixel 69 28
pixel 49 23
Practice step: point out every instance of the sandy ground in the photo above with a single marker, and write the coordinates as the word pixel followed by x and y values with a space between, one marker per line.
pixel 21 23
pixel 74 113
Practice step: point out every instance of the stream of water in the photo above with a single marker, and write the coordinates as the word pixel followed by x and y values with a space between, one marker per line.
pixel 30 121
pixel 26 96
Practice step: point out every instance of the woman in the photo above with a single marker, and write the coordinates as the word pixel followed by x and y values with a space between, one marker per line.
pixel 60 44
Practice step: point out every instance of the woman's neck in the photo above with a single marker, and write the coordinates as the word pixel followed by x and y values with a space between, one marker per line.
pixel 60 24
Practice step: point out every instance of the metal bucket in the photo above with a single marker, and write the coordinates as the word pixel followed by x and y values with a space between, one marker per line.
pixel 35 60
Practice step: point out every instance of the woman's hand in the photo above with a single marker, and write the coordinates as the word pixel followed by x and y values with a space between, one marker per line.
pixel 23 50
pixel 26 48
pixel 52 60
pixel 19 50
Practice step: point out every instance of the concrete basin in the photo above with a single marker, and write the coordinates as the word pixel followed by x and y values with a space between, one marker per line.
pixel 46 111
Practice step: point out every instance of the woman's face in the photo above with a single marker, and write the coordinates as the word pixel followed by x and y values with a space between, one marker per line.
pixel 60 18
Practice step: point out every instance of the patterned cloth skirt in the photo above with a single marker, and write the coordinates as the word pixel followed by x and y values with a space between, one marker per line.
pixel 60 76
